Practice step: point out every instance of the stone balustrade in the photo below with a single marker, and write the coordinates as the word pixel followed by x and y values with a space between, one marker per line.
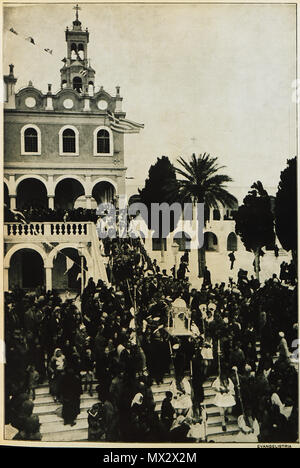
pixel 47 229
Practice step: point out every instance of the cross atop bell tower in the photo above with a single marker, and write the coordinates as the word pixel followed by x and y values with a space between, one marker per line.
pixel 77 8
pixel 77 73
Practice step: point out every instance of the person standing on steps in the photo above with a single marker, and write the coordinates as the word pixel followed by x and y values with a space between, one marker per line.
pixel 225 396
pixel 167 411
pixel 70 390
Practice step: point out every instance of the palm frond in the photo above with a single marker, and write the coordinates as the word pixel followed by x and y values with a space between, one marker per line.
pixel 201 180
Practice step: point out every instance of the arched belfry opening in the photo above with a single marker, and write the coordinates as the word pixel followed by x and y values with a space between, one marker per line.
pixel 77 84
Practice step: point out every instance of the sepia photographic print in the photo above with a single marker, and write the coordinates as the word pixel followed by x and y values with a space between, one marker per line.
pixel 150 269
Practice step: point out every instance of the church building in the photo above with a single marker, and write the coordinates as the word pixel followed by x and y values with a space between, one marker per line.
pixel 62 150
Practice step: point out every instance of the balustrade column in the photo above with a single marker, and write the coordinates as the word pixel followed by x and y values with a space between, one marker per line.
pixel 48 278
pixel 88 202
pixel 51 202
pixel 5 279
pixel 13 202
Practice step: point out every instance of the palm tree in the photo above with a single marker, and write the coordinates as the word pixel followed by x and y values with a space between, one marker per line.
pixel 201 182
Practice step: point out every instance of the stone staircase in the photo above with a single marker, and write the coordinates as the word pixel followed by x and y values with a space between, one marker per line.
pixel 52 425
pixel 214 421
pixel 54 430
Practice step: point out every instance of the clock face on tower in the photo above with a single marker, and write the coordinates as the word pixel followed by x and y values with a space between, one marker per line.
pixel 102 105
pixel 68 103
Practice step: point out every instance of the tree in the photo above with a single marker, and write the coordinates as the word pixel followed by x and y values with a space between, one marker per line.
pixel 201 182
pixel 286 208
pixel 161 175
pixel 254 222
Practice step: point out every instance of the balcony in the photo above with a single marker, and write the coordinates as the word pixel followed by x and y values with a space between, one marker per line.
pixel 50 238
pixel 51 231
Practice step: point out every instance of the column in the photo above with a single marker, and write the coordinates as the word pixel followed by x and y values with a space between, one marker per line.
pixel 88 202
pixel 48 278
pixel 51 202
pixel 49 104
pixel 86 105
pixel 13 202
pixel 6 279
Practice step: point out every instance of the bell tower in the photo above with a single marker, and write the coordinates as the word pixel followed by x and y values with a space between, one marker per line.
pixel 77 72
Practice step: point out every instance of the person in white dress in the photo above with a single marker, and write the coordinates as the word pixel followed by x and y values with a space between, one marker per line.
pixel 249 429
pixel 182 401
pixel 225 396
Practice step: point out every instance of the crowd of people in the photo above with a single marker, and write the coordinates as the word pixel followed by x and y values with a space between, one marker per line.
pixel 31 214
pixel 122 339
pixel 288 273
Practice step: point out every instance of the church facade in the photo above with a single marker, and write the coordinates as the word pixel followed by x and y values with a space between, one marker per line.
pixel 62 150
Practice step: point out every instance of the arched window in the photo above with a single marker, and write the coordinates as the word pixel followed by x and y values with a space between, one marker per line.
pixel 30 139
pixel 211 242
pixel 81 51
pixel 69 141
pixel 103 141
pixel 232 242
pixel 77 84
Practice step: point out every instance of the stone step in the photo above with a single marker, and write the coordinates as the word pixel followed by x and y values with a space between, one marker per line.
pixel 58 426
pixel 216 420
pixel 78 435
pixel 47 399
pixel 217 430
pixel 43 389
pixel 52 417
pixel 52 408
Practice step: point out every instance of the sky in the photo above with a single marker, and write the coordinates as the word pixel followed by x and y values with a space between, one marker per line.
pixel 202 78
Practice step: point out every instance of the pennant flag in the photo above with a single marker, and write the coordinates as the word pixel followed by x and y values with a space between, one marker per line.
pixel 49 51
pixel 30 39
pixel 69 264
pixel 83 72
pixel 13 31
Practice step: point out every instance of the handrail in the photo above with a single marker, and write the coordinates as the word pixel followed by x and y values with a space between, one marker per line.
pixel 48 228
